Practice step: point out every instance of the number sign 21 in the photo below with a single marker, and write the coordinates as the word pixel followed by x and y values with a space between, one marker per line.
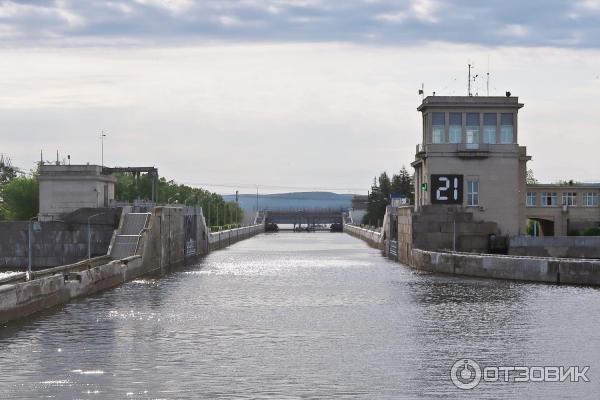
pixel 446 189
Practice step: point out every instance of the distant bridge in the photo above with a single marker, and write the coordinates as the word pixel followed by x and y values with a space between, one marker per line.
pixel 306 217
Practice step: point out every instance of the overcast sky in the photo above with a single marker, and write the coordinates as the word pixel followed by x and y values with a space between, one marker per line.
pixel 306 94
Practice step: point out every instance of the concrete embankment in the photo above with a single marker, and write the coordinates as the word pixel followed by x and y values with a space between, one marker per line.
pixel 171 237
pixel 533 269
pixel 218 240
pixel 373 238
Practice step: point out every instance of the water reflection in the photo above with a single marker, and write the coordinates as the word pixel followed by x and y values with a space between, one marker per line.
pixel 292 315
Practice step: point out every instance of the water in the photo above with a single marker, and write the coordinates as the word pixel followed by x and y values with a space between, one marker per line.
pixel 301 316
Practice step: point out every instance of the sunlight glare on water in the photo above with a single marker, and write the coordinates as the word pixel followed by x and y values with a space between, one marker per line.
pixel 300 315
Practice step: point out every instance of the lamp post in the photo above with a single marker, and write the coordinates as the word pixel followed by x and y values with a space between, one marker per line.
pixel 89 229
pixel 30 228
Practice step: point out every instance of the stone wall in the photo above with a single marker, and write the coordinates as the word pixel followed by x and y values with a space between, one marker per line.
pixel 438 227
pixel 557 246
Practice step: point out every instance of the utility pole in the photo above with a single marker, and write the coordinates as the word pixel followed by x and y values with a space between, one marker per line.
pixel 257 199
pixel 102 136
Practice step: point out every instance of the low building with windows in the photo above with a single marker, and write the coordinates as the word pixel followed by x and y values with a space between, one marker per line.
pixel 563 209
pixel 470 157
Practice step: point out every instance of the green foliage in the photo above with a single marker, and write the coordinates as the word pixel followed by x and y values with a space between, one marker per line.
pixel 216 211
pixel 570 182
pixel 592 232
pixel 20 198
pixel 530 179
pixel 379 196
pixel 7 172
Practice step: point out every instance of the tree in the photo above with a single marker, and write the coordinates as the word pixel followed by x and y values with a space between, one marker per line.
pixel 21 198
pixel 403 183
pixel 379 196
pixel 216 211
pixel 7 171
pixel 530 179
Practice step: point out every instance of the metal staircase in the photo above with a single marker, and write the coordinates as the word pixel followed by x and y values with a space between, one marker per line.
pixel 128 239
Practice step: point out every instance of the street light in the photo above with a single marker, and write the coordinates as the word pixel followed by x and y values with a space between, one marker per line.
pixel 89 229
pixel 30 228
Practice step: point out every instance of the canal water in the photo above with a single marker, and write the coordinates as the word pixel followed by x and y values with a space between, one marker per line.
pixel 301 316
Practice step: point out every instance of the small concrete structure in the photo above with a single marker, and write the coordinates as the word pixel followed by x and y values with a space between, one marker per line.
pixel 66 188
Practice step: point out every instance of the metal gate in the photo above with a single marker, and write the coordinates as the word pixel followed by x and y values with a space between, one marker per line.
pixel 393 240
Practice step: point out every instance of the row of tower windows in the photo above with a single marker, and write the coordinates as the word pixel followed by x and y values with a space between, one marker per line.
pixel 449 127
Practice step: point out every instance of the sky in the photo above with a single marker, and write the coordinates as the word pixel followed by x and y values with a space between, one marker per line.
pixel 289 94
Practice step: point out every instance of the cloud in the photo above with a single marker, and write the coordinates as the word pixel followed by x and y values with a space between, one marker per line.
pixel 536 23
pixel 515 30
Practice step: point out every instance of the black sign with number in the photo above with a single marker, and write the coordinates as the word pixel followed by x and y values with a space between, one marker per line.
pixel 446 189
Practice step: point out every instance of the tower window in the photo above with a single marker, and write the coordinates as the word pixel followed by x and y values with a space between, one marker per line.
pixel 506 128
pixel 438 127
pixel 455 128
pixel 473 130
pixel 489 127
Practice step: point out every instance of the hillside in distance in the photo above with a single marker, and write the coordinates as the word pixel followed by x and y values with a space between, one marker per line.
pixel 294 200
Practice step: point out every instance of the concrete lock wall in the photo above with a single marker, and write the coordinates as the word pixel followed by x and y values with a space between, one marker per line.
pixel 373 238
pixel 557 246
pixel 535 269
pixel 162 245
pixel 56 243
pixel 218 240
pixel 525 268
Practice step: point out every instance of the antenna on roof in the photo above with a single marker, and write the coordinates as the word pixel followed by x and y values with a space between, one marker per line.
pixel 469 81
pixel 488 77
